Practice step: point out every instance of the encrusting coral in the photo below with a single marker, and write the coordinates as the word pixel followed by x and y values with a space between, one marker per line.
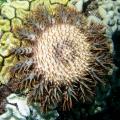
pixel 61 60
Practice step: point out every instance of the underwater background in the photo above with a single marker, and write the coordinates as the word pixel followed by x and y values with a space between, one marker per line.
pixel 106 104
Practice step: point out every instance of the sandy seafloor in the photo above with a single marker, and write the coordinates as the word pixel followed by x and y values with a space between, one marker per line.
pixel 107 102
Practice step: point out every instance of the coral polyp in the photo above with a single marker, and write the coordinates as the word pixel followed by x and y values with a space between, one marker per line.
pixel 61 59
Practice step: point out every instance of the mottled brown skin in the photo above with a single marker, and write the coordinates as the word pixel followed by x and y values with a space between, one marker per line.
pixel 61 59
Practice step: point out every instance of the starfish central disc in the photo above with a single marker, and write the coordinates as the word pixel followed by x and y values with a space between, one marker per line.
pixel 62 53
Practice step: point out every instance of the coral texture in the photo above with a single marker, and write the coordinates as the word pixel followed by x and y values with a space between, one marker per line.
pixel 18 109
pixel 61 60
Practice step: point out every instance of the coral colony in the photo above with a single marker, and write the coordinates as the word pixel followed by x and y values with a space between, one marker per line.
pixel 61 60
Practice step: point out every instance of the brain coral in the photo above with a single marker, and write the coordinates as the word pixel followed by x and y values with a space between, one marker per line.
pixel 61 59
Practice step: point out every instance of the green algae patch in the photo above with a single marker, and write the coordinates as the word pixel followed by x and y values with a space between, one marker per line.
pixel 2 1
pixel 8 39
pixel 10 61
pixel 4 74
pixel 7 43
pixel 5 40
pixel 4 51
pixel 20 4
pixel 20 13
pixel 16 22
pixel 8 12
pixel 4 25
pixel 5 70
pixel 35 4
pixel 51 7
pixel 47 3
pixel 1 61
pixel 64 2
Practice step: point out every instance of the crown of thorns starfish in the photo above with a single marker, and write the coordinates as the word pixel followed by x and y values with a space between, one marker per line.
pixel 62 59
